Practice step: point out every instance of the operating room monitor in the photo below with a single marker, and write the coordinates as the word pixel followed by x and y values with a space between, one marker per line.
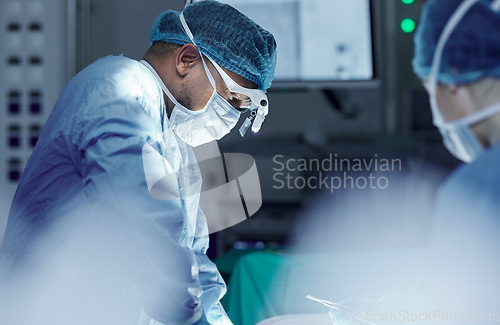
pixel 318 40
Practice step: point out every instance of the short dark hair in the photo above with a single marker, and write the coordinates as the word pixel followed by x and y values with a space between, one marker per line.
pixel 160 50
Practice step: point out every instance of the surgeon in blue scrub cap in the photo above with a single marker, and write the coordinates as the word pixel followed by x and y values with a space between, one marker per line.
pixel 458 60
pixel 457 55
pixel 105 226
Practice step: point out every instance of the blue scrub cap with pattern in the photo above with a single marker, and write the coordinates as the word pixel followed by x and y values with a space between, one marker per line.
pixel 472 51
pixel 224 34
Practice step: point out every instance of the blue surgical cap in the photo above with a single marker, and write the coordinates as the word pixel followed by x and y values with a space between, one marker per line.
pixel 473 50
pixel 224 34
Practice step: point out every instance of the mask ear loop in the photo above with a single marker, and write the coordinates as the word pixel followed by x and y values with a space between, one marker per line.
pixel 191 37
pixel 162 85
pixel 479 115
pixel 436 61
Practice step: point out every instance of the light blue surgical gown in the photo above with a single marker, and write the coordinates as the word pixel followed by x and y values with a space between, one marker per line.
pixel 465 268
pixel 84 199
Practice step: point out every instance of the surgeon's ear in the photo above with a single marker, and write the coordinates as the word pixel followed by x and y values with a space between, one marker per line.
pixel 186 59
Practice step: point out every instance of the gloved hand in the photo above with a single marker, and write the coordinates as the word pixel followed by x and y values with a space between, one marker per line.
pixel 298 319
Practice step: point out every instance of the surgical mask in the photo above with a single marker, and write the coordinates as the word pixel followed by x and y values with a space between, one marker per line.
pixel 212 122
pixel 253 99
pixel 458 136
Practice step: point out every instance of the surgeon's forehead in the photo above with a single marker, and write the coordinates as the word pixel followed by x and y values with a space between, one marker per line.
pixel 240 80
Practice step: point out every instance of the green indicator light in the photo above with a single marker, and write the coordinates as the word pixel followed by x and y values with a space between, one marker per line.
pixel 408 25
pixel 407 2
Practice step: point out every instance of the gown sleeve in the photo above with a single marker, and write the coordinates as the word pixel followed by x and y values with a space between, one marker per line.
pixel 212 283
pixel 139 233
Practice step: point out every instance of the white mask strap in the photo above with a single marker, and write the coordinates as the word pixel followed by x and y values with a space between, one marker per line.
pixel 165 89
pixel 191 37
pixel 478 116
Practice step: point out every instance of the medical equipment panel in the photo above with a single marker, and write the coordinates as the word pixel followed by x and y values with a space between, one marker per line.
pixel 34 67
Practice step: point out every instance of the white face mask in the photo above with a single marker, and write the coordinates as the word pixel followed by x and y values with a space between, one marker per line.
pixel 212 122
pixel 458 137
pixel 461 141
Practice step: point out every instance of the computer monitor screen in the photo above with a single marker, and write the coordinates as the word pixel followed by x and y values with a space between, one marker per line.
pixel 318 40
